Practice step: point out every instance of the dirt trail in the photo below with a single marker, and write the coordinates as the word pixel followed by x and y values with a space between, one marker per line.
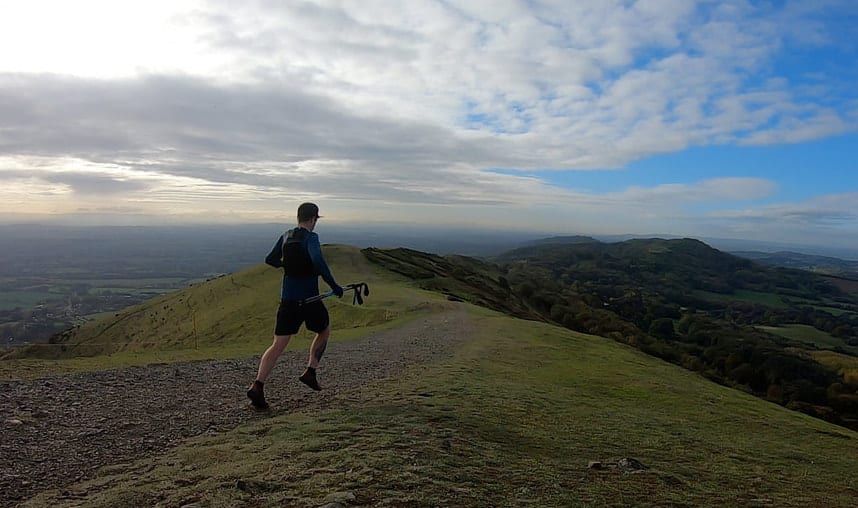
pixel 75 424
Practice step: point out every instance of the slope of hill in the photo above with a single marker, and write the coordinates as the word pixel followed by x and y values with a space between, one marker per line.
pixel 457 277
pixel 514 418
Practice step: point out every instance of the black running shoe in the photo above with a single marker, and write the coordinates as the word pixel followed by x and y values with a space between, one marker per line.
pixel 257 396
pixel 309 379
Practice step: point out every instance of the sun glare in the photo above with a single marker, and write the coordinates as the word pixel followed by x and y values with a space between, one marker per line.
pixel 97 38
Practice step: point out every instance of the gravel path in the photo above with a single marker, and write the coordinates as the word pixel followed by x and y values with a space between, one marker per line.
pixel 60 430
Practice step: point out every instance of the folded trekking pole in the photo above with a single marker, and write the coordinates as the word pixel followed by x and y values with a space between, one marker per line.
pixel 361 289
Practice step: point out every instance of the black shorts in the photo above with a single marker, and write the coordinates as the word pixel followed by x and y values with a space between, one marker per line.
pixel 291 315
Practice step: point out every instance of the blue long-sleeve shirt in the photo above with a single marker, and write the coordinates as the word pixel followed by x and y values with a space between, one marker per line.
pixel 300 288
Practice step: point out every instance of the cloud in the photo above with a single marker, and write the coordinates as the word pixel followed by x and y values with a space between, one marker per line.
pixel 568 85
pixel 707 191
pixel 406 109
pixel 825 220
pixel 83 183
pixel 828 210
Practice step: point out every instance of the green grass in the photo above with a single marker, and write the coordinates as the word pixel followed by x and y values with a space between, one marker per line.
pixel 806 334
pixel 513 419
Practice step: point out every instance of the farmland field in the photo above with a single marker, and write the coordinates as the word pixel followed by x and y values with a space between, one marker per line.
pixel 844 364
pixel 770 299
pixel 809 335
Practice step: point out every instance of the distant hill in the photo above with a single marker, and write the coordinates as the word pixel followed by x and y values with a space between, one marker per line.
pixel 680 264
pixel 820 264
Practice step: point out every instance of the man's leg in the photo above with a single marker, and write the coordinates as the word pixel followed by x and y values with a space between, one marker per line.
pixel 317 349
pixel 270 356
pixel 256 392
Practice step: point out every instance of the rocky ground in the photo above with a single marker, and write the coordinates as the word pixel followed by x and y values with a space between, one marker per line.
pixel 60 430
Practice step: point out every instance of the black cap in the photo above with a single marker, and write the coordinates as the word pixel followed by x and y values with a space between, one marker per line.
pixel 308 211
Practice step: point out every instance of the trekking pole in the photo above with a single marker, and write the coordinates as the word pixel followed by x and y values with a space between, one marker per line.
pixel 361 289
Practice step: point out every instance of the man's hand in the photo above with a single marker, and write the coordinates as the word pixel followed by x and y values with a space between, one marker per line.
pixel 338 291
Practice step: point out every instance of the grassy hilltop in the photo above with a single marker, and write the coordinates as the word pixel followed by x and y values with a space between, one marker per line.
pixel 513 418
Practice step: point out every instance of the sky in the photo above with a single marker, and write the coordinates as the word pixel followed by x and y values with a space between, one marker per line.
pixel 731 119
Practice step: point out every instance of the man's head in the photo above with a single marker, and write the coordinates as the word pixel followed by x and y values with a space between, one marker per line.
pixel 308 214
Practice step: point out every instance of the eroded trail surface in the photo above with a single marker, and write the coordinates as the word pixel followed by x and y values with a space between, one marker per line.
pixel 70 426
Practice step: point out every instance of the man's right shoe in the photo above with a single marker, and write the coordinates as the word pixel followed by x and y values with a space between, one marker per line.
pixel 257 396
pixel 309 379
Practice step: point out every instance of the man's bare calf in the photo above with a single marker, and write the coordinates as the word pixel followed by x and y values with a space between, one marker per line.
pixel 317 349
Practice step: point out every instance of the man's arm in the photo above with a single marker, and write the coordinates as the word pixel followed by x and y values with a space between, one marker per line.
pixel 275 257
pixel 319 262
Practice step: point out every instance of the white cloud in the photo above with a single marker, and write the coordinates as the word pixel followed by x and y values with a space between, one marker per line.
pixel 827 210
pixel 707 191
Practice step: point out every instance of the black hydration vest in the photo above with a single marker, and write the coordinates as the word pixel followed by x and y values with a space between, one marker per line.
pixel 296 256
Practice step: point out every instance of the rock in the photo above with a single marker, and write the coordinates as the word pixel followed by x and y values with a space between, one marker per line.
pixel 629 464
pixel 333 505
pixel 340 497
pixel 14 421
pixel 595 464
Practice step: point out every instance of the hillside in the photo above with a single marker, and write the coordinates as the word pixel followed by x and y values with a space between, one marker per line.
pixel 513 414
pixel 514 418
pixel 735 322
pixel 456 277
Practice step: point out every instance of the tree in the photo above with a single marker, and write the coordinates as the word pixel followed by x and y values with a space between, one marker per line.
pixel 662 328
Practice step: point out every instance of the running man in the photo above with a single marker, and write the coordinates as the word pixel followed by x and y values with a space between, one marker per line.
pixel 299 254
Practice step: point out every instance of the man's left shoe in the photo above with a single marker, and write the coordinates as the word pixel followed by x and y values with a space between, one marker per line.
pixel 257 396
pixel 309 379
